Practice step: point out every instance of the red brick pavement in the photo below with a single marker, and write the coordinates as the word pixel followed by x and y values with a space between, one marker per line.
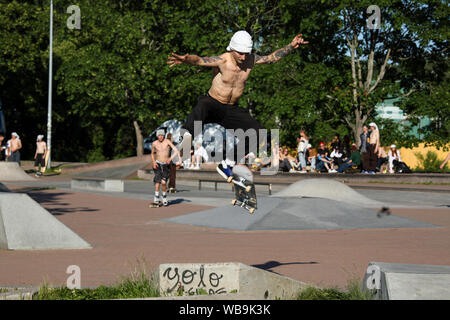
pixel 125 230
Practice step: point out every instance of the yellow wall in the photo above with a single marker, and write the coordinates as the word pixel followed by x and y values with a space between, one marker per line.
pixel 410 158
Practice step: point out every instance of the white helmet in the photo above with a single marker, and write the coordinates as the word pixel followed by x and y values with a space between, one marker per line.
pixel 241 42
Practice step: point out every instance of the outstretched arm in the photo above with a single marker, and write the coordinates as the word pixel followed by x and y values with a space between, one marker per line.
pixel 281 53
pixel 194 60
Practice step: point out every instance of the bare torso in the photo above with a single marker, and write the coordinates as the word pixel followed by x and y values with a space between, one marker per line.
pixel 229 81
pixel 41 146
pixel 16 145
pixel 161 150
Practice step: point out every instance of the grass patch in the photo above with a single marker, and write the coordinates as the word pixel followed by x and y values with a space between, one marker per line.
pixel 352 291
pixel 138 284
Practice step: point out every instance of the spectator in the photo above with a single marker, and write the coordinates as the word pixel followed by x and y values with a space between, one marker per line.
pixel 2 147
pixel 394 158
pixel 346 149
pixel 39 156
pixel 336 155
pixel 293 162
pixel 301 149
pixel 15 144
pixel 355 159
pixel 364 149
pixel 323 160
pixel 382 158
pixel 285 165
pixel 199 154
pixel 374 145
pixel 311 157
pixel 336 142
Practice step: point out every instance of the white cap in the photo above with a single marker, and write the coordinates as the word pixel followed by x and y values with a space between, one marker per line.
pixel 241 42
pixel 160 132
pixel 40 137
pixel 393 146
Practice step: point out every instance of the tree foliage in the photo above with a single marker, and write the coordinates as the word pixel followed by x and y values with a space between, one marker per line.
pixel 112 86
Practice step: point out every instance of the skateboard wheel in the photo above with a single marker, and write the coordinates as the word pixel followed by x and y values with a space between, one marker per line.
pixel 229 179
pixel 248 188
pixel 233 202
pixel 251 210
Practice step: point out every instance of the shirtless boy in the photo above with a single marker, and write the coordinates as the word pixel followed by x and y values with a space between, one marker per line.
pixel 160 159
pixel 39 156
pixel 231 71
pixel 15 144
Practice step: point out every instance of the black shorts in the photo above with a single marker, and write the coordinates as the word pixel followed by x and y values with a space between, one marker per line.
pixel 40 160
pixel 162 172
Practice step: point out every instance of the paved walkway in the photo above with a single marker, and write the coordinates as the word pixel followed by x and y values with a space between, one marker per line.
pixel 123 230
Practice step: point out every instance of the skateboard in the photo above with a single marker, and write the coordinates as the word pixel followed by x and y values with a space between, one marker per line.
pixel 244 189
pixel 157 205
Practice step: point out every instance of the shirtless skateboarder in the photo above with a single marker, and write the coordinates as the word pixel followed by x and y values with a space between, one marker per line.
pixel 39 156
pixel 161 159
pixel 231 71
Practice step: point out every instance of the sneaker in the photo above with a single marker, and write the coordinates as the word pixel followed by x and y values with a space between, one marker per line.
pixel 371 172
pixel 332 171
pixel 224 170
pixel 364 171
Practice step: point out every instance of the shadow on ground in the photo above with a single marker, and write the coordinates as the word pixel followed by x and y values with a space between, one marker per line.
pixel 273 264
pixel 52 203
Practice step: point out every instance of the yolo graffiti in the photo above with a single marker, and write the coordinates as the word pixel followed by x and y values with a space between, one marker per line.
pixel 193 281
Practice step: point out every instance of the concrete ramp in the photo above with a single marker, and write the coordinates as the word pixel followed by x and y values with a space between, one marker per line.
pixel 11 171
pixel 225 278
pixel 276 213
pixel 395 281
pixel 328 189
pixel 25 225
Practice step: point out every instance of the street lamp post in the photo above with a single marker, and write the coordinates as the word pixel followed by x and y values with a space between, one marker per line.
pixel 50 71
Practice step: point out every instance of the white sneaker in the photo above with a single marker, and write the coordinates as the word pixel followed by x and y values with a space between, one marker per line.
pixel 332 171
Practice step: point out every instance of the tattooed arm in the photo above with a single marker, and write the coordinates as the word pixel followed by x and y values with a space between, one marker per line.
pixel 281 53
pixel 195 60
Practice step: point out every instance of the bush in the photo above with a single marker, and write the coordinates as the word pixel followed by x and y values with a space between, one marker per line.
pixel 352 292
pixel 430 162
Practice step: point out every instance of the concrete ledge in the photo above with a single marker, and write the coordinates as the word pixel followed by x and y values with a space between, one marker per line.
pixel 97 184
pixel 393 281
pixel 225 279
pixel 25 225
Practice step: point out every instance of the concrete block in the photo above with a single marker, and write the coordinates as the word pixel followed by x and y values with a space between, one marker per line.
pixel 110 185
pixel 225 278
pixel 25 225
pixel 394 281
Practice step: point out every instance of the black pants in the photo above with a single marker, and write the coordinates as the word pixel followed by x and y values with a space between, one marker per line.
pixel 209 110
pixel 373 158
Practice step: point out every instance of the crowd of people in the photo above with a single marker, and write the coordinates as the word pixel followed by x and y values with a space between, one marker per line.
pixel 10 151
pixel 337 156
pixel 343 156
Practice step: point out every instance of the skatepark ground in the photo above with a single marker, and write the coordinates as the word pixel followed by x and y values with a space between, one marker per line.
pixel 123 230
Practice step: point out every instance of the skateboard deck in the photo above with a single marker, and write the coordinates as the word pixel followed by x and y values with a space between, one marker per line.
pixel 156 205
pixel 244 189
